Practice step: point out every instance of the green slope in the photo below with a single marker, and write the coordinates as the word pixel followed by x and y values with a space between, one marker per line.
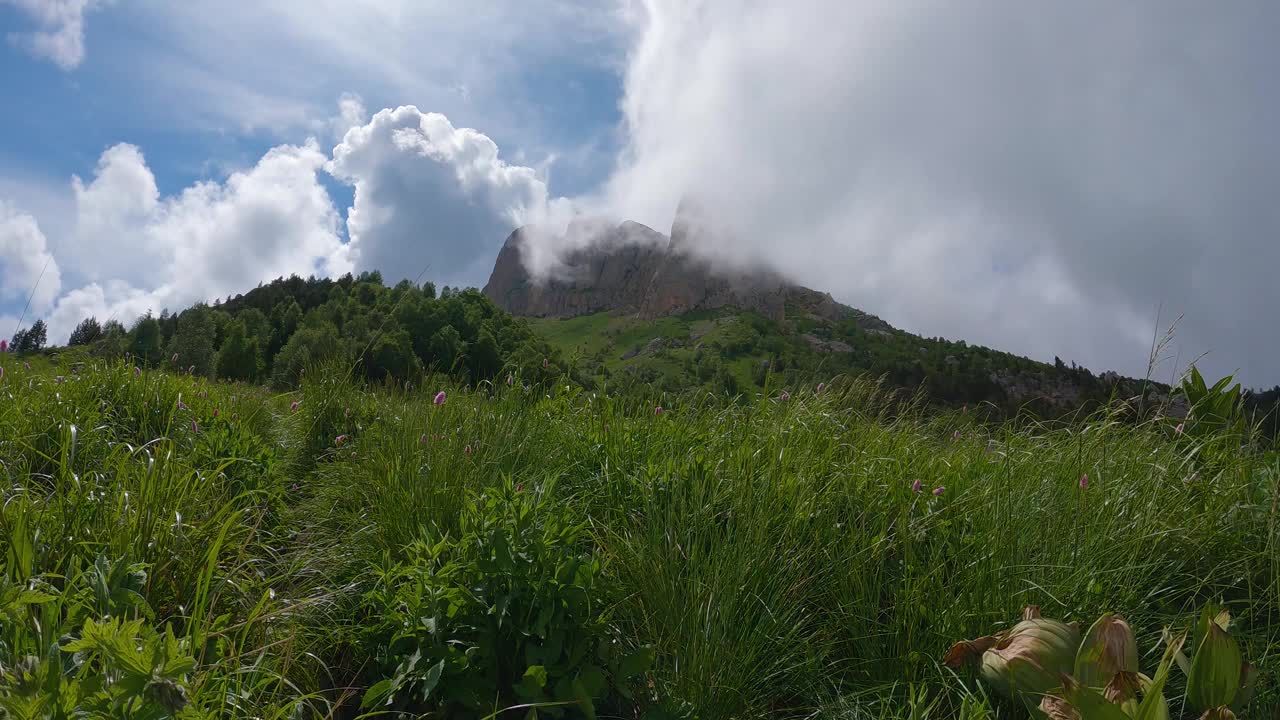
pixel 743 352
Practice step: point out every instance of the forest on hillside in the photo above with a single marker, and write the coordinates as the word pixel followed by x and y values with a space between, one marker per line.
pixel 400 333
pixel 270 334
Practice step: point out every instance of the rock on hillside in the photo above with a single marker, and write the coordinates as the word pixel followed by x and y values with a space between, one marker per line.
pixel 633 269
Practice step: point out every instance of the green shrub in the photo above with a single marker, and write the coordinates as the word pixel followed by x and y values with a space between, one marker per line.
pixel 508 613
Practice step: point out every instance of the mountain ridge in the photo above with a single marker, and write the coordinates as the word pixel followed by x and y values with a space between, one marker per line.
pixel 633 269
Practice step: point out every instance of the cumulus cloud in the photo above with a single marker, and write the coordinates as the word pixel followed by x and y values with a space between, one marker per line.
pixel 140 251
pixel 429 196
pixel 1037 177
pixel 61 34
pixel 27 269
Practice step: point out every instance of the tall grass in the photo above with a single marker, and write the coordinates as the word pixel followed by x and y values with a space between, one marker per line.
pixel 773 553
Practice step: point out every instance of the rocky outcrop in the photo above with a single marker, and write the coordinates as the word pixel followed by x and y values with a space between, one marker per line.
pixel 633 269
pixel 614 272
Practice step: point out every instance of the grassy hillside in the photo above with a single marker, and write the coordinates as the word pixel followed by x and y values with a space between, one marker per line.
pixel 736 352
pixel 175 545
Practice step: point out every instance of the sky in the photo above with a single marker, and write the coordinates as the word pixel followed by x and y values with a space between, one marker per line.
pixel 1052 179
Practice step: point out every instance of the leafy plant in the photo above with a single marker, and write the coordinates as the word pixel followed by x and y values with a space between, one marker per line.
pixel 508 613
pixel 1026 663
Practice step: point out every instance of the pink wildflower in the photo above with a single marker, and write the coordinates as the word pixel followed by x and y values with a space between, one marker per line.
pixel 339 440
pixel 439 400
pixel 4 346
pixel 1084 481
pixel 467 451
pixel 293 406
pixel 509 379
pixel 785 396
pixel 204 394
pixel 26 365
pixel 916 486
pixel 181 405
pixel 295 487
pixel 194 427
pixel 1181 427
pixel 215 412
pixel 955 435
pixel 235 416
pixel 939 490
pixel 422 439
pixel 191 370
pixel 519 487
pixel 657 410
pixel 175 358
pixel 544 363
pixel 137 371
pixel 821 387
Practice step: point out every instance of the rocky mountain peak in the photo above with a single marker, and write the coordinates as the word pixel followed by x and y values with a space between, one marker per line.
pixel 633 269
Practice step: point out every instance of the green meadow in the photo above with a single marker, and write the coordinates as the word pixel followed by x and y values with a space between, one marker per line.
pixel 174 546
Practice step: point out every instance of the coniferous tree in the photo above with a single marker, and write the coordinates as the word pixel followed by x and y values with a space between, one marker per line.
pixel 88 331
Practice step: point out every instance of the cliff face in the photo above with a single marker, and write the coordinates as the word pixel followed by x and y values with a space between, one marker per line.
pixel 633 269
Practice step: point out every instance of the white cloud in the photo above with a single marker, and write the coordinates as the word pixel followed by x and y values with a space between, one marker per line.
pixel 210 240
pixel 429 196
pixel 61 37
pixel 27 269
pixel 1034 177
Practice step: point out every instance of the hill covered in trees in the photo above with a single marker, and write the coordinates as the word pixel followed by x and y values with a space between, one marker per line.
pixel 271 333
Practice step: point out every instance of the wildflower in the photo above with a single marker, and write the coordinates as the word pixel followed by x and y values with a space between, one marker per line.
pixel 137 371
pixel 59 379
pixel 194 427
pixel 657 410
pixel 519 487
pixel 785 396
pixel 4 346
pixel 955 435
pixel 181 405
pixel 407 385
pixel 339 440
pixel 964 409
pixel 353 453
pixel 175 358
pixel 544 363
pixel 191 370
pixel 467 451
pixel 1 373
pixel 422 439
pixel 215 412
pixel 235 416
pixel 1025 661
pixel 916 486
pixel 821 387
pixel 510 379
pixel 939 490
pixel 1084 481
pixel 294 487
pixel 1109 648
pixel 293 406
pixel 26 365
pixel 346 412
pixel 204 394
pixel 439 399
pixel 1181 427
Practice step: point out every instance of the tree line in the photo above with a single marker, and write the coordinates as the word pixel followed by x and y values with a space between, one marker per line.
pixel 271 333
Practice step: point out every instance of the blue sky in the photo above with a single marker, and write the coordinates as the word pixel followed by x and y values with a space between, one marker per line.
pixel 1041 179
